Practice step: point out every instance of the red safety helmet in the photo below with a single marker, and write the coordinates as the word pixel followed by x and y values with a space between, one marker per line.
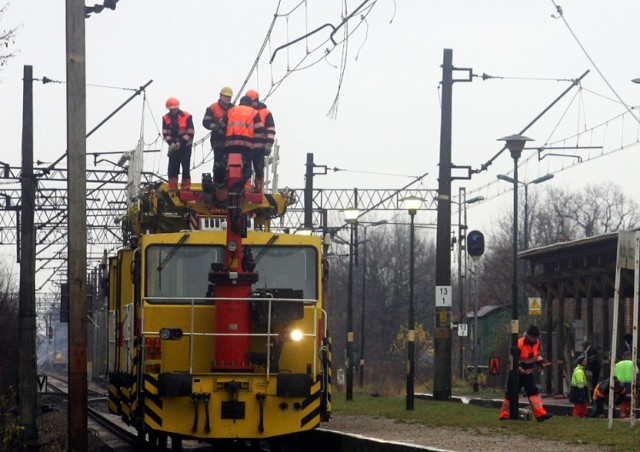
pixel 253 94
pixel 172 102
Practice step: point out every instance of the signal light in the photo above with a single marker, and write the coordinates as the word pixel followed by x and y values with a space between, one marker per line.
pixel 475 243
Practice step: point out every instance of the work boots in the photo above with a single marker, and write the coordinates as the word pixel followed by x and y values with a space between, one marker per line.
pixel 258 184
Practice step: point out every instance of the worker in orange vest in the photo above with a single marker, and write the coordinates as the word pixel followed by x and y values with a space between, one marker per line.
pixel 529 346
pixel 244 129
pixel 213 120
pixel 178 131
pixel 601 396
pixel 264 143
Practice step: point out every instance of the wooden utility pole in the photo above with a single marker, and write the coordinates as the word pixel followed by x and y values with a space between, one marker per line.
pixel 77 187
pixel 27 363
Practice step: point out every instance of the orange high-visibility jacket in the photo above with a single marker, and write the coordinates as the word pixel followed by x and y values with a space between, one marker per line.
pixel 529 356
pixel 183 130
pixel 243 126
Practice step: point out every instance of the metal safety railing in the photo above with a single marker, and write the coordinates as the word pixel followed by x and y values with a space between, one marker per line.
pixel 269 335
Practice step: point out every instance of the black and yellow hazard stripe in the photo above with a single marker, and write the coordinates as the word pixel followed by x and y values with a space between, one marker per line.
pixel 114 399
pixel 152 402
pixel 311 407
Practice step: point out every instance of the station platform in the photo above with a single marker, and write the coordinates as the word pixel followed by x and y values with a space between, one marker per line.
pixel 556 405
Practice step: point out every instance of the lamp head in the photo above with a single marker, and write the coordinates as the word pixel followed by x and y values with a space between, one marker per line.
pixel 542 179
pixel 515 144
pixel 412 204
pixel 474 199
pixel 351 214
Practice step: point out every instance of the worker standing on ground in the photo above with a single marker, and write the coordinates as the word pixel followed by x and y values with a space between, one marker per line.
pixel 264 143
pixel 579 393
pixel 243 129
pixel 213 121
pixel 529 346
pixel 593 364
pixel 178 131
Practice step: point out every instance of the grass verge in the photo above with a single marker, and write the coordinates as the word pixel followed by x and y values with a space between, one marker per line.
pixel 485 421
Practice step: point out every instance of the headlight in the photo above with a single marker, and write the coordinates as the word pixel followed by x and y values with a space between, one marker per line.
pixel 233 246
pixel 296 335
pixel 171 334
pixel 287 335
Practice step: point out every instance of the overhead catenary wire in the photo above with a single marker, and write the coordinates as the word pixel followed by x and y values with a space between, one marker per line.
pixel 560 15
pixel 335 169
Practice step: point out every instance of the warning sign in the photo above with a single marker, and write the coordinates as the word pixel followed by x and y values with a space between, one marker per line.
pixel 494 366
pixel 535 306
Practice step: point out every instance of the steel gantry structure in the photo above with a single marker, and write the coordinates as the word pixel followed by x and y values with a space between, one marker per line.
pixel 107 199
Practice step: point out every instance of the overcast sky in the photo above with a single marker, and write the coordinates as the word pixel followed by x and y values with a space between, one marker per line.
pixel 386 127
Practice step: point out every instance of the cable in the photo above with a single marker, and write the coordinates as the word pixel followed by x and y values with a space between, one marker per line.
pixel 335 169
pixel 264 44
pixel 561 16
pixel 333 111
pixel 486 76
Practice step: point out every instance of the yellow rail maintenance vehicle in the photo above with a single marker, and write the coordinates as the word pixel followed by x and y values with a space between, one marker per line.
pixel 217 330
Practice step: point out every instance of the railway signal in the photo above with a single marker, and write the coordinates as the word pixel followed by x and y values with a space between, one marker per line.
pixel 475 243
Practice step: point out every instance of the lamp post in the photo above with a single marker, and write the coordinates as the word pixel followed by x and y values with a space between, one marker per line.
pixel 364 287
pixel 515 144
pixel 350 216
pixel 412 204
pixel 539 180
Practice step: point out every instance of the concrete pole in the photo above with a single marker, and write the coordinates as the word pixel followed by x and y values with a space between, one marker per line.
pixel 27 363
pixel 442 341
pixel 77 187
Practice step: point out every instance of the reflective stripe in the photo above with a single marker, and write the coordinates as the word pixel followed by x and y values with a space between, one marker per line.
pixel 504 411
pixel 243 122
pixel 184 131
pixel 536 406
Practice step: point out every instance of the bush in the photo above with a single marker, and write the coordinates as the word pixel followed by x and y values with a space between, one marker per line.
pixel 10 430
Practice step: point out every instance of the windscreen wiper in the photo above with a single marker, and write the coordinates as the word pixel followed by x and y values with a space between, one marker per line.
pixel 169 256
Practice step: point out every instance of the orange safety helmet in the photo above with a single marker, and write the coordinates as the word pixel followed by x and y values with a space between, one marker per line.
pixel 172 102
pixel 253 94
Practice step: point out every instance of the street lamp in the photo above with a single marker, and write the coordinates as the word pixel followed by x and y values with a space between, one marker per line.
pixel 539 180
pixel 364 286
pixel 515 144
pixel 412 204
pixel 350 216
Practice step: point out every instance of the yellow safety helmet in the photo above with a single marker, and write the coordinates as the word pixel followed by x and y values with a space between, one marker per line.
pixel 226 91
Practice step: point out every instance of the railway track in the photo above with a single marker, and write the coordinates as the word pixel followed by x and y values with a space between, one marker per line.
pixel 116 436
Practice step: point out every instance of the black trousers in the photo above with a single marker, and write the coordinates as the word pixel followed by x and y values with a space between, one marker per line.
pixel 180 158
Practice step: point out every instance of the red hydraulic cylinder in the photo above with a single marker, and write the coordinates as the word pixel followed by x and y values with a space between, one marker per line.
pixel 233 284
pixel 233 318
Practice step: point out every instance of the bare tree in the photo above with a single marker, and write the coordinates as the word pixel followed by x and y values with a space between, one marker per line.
pixel 387 301
pixel 7 40
pixel 557 215
pixel 598 209
pixel 9 322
